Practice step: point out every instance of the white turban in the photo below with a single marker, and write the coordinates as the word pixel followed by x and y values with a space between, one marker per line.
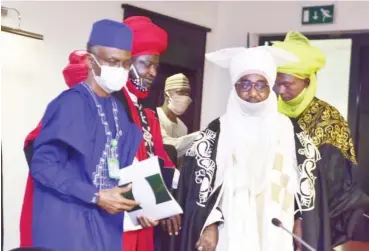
pixel 241 61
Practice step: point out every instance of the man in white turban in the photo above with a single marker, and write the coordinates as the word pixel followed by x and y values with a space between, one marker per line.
pixel 241 172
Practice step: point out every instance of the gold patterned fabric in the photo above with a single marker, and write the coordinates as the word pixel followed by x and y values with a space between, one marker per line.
pixel 325 125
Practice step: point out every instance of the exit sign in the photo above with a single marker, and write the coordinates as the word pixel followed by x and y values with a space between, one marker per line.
pixel 318 14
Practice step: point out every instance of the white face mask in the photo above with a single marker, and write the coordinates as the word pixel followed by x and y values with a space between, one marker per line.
pixel 111 79
pixel 178 104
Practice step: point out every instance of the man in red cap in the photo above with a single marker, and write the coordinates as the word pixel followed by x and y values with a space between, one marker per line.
pixel 149 42
pixel 74 73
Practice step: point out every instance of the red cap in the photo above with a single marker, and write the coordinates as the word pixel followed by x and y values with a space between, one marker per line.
pixel 148 38
pixel 77 70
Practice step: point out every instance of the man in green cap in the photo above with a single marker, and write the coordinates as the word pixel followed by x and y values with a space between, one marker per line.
pixel 329 200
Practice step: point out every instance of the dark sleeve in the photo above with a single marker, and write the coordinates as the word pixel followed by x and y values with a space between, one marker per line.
pixel 184 181
pixel 63 129
pixel 148 103
pixel 298 214
pixel 167 167
pixel 198 201
pixel 171 152
pixel 167 174
pixel 346 200
pixel 362 229
pixel 194 215
pixel 158 141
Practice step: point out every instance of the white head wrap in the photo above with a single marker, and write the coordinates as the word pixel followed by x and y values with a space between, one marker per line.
pixel 240 61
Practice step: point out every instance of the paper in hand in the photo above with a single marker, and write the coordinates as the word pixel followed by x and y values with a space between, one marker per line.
pixel 148 188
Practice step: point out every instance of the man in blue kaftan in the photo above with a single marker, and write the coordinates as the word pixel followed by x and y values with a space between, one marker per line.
pixel 85 139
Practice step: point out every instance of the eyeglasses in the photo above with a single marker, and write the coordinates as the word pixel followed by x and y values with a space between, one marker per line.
pixel 247 85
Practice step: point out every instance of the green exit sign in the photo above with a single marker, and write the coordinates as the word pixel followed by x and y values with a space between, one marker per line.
pixel 318 14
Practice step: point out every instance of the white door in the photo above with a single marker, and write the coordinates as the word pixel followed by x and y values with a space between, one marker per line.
pixel 334 78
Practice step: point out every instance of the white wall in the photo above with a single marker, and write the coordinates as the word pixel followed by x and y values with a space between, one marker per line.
pixel 229 21
pixel 334 78
pixel 66 25
pixel 286 15
pixel 63 33
pixel 21 77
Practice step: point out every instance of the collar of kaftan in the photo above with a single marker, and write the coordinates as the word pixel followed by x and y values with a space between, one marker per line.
pixel 325 125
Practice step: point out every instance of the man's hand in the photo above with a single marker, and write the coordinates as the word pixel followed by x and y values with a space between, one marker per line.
pixel 209 239
pixel 146 222
pixel 112 200
pixel 172 225
pixel 297 230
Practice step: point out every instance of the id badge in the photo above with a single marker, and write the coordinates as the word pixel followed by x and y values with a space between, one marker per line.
pixel 113 166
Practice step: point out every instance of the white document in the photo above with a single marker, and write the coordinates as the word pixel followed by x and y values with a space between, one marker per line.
pixel 148 188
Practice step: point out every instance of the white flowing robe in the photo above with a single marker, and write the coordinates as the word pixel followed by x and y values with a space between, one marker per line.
pixel 175 134
pixel 247 217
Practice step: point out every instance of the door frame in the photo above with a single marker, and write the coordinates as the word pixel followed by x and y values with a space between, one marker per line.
pixel 359 39
pixel 199 34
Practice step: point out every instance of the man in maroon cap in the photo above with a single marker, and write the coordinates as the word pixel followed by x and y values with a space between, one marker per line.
pixel 149 42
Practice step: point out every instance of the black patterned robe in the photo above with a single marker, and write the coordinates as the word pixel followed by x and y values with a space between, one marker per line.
pixel 331 201
pixel 198 201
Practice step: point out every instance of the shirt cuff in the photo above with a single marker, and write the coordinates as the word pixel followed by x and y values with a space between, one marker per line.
pixel 215 217
pixel 85 192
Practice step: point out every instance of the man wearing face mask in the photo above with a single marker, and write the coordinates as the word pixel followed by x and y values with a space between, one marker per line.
pixel 177 99
pixel 149 41
pixel 241 172
pixel 84 139
pixel 331 201
pixel 74 73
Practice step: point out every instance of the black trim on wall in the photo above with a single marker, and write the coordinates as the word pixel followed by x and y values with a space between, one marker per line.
pixel 170 19
pixel 186 49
